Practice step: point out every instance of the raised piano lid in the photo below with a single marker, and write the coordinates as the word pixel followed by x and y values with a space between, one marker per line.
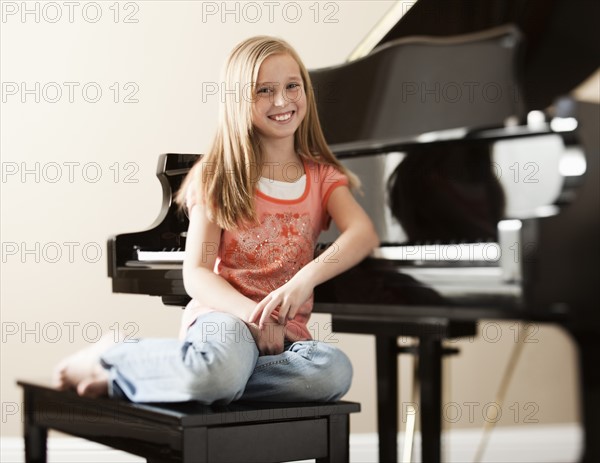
pixel 417 85
pixel 561 51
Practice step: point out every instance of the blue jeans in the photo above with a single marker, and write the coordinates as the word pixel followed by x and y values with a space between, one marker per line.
pixel 218 362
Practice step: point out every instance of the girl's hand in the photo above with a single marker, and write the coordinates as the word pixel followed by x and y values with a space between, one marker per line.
pixel 289 298
pixel 269 339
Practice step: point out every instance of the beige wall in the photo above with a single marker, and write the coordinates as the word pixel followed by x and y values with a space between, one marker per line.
pixel 50 309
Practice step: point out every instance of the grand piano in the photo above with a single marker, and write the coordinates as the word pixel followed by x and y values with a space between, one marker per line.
pixel 480 171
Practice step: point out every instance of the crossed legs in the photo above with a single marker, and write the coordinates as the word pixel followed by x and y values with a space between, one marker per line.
pixel 218 362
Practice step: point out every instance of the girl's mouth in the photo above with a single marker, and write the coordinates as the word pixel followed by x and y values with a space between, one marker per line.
pixel 283 117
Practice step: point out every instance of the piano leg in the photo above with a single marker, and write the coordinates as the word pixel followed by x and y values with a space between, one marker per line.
pixel 387 397
pixel 430 374
pixel 589 374
pixel 430 354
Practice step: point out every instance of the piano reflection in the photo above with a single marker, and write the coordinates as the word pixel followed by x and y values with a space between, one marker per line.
pixel 480 173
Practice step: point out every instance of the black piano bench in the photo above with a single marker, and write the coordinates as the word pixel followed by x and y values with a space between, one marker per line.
pixel 190 432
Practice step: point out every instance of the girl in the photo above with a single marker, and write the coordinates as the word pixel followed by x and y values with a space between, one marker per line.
pixel 256 203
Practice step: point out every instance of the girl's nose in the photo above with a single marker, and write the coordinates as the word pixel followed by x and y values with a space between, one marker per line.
pixel 279 98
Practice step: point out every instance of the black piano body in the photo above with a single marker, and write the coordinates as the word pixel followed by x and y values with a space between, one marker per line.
pixel 454 284
pixel 472 251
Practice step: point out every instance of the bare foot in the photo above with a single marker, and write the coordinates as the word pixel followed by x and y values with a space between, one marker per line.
pixel 96 387
pixel 82 370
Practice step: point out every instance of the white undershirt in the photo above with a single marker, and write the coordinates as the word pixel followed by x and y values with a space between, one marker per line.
pixel 282 190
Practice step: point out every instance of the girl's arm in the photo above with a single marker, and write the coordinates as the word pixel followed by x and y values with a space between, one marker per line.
pixel 199 279
pixel 357 239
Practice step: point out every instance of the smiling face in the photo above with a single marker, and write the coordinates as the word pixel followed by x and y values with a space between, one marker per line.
pixel 279 104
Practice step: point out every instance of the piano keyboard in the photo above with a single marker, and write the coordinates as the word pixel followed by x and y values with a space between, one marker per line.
pixel 464 252
pixel 172 256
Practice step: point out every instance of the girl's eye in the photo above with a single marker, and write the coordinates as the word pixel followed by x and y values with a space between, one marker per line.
pixel 263 90
pixel 293 86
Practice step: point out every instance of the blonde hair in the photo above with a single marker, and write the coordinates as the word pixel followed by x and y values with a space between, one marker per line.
pixel 227 175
